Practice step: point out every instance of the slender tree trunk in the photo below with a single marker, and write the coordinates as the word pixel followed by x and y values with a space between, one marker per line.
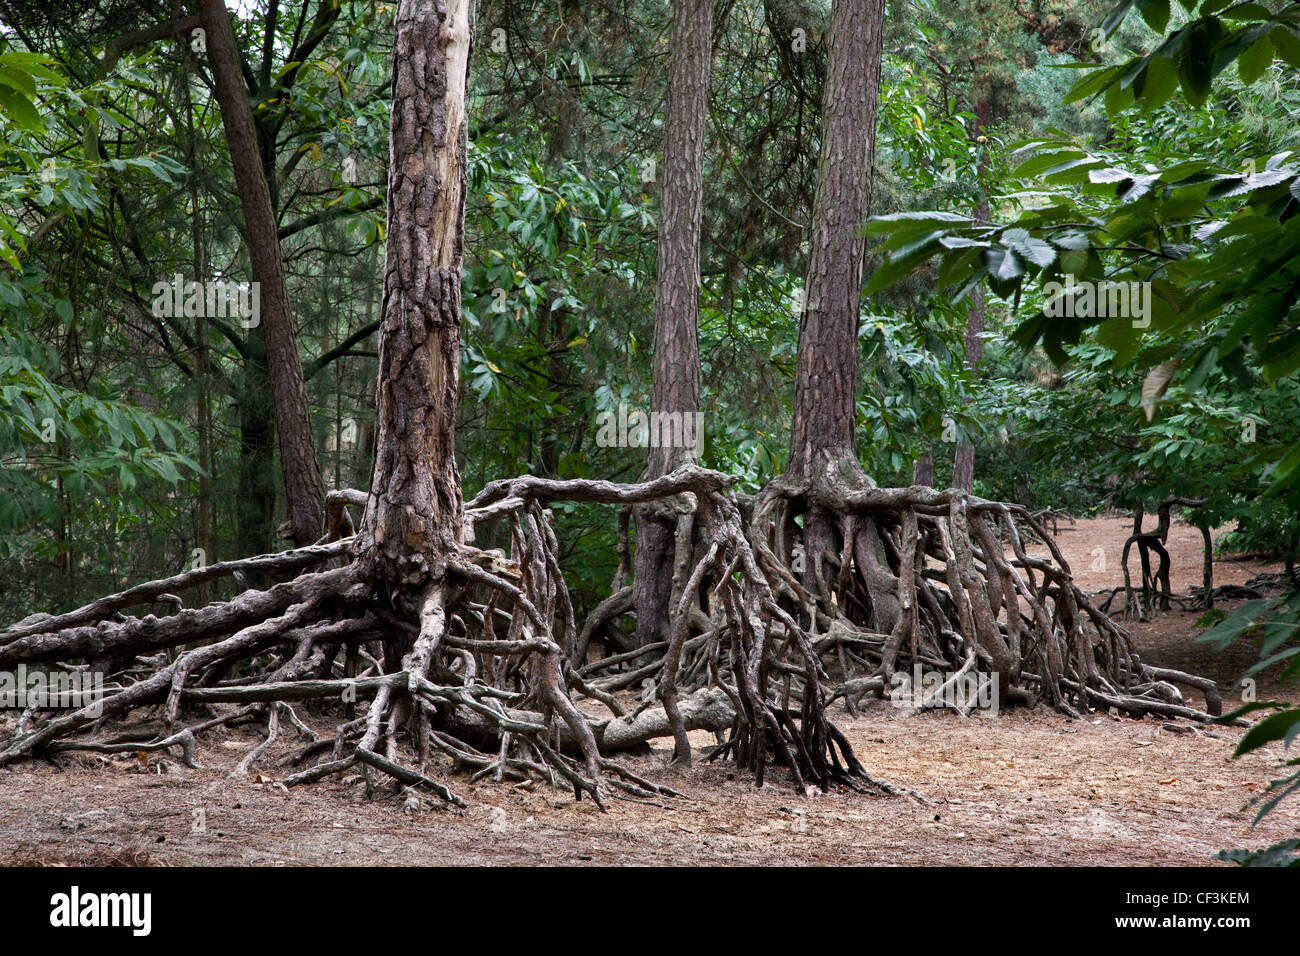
pixel 676 364
pixel 963 471
pixel 822 446
pixel 822 433
pixel 203 418
pixel 923 470
pixel 963 466
pixel 553 333
pixel 255 496
pixel 415 509
pixel 204 523
pixel 304 489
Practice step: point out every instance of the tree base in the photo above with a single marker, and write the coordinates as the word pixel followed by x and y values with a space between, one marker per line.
pixel 484 663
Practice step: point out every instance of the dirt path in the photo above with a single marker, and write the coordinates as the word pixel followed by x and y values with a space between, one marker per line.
pixel 1017 788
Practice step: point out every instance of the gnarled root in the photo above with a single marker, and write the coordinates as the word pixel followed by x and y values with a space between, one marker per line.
pixel 921 578
pixel 481 663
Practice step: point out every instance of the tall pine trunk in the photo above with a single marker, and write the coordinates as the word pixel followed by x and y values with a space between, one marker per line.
pixel 413 517
pixel 676 362
pixel 304 490
pixel 822 439
pixel 963 470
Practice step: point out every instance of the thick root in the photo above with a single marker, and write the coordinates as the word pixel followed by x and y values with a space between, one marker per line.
pixel 947 581
pixel 481 664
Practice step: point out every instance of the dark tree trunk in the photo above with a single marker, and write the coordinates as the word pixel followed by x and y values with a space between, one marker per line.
pixel 414 513
pixel 822 446
pixel 963 466
pixel 923 470
pixel 822 432
pixel 676 364
pixel 255 504
pixel 963 471
pixel 304 489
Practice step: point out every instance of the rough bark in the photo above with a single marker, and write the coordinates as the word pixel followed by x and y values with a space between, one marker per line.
pixel 676 360
pixel 963 469
pixel 414 512
pixel 822 442
pixel 923 470
pixel 304 490
pixel 963 475
pixel 822 430
pixel 255 495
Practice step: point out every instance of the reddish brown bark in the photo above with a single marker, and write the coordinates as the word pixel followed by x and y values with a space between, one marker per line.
pixel 304 490
pixel 923 470
pixel 963 472
pixel 822 446
pixel 825 388
pixel 676 362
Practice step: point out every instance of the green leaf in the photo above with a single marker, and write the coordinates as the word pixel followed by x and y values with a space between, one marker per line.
pixel 1196 65
pixel 1073 170
pixel 1031 248
pixel 1139 187
pixel 1155 13
pixel 896 267
pixel 1286 853
pixel 1244 709
pixel 1255 60
pixel 1092 84
pixel 1247 11
pixel 960 242
pixel 1286 44
pixel 1031 167
pixel 1115 17
pixel 904 220
pixel 1073 240
pixel 1006 267
pixel 1110 174
pixel 20 109
pixel 20 80
pixel 1119 97
pixel 1157 83
pixel 1284 726
pixel 1120 336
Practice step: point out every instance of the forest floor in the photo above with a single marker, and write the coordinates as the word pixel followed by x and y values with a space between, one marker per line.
pixel 1023 787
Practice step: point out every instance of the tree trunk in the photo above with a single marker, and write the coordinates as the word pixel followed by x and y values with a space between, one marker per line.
pixel 676 363
pixel 822 431
pixel 923 470
pixel 255 504
pixel 963 470
pixel 414 513
pixel 963 466
pixel 822 438
pixel 304 490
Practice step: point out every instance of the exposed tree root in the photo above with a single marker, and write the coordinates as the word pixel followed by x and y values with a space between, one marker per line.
pixel 1140 606
pixel 484 667
pixel 750 648
pixel 478 670
pixel 915 576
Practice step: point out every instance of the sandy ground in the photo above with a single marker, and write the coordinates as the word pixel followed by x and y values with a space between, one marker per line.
pixel 1022 787
pixel 1095 570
